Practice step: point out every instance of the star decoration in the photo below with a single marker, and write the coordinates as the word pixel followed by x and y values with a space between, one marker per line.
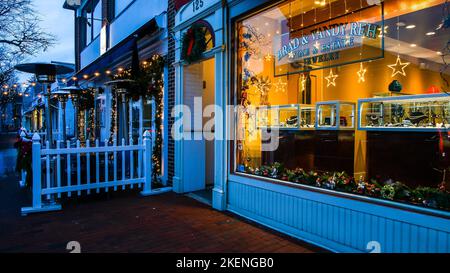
pixel 280 86
pixel 291 55
pixel 317 45
pixel 361 74
pixel 398 67
pixel 331 78
pixel 268 58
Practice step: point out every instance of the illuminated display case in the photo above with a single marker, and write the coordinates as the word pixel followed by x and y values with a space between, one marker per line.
pixel 329 112
pixel 286 117
pixel 419 113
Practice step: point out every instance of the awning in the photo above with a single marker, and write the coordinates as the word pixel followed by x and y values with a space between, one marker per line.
pixel 122 49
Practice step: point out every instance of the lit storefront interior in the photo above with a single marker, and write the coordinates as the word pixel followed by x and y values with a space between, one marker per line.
pixel 355 92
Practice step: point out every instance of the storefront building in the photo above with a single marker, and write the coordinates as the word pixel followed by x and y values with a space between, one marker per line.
pixel 338 134
pixel 117 43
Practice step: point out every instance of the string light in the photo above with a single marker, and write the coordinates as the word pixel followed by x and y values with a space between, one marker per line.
pixel 280 86
pixel 331 78
pixel 268 57
pixel 361 73
pixel 398 67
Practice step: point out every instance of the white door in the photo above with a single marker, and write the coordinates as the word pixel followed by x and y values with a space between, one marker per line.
pixel 193 143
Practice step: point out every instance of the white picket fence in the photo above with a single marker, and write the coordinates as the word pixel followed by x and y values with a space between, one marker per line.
pixel 90 169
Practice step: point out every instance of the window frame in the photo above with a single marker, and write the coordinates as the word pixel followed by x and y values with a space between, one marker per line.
pixel 118 14
pixel 91 19
pixel 234 78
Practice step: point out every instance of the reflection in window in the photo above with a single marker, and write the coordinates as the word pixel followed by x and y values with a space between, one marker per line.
pixel 93 15
pixel 120 5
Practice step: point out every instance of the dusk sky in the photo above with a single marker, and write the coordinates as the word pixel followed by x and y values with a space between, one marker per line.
pixel 59 22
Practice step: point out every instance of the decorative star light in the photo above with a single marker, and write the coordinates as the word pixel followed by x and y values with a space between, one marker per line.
pixel 268 57
pixel 331 79
pixel 280 86
pixel 361 73
pixel 398 67
pixel 317 45
pixel 291 55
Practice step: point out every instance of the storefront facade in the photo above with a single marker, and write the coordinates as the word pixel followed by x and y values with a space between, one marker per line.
pixel 118 44
pixel 338 134
pixel 200 162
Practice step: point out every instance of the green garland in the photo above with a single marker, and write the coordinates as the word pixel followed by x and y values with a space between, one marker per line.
pixel 437 198
pixel 149 84
pixel 193 44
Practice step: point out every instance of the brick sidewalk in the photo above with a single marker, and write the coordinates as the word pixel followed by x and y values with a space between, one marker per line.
pixel 126 222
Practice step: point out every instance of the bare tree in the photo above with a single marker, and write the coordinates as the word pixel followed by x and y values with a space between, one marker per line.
pixel 20 35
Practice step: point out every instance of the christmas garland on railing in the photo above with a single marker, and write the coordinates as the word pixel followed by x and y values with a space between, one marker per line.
pixel 148 83
pixel 86 99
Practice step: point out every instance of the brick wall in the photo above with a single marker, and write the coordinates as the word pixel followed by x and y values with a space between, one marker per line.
pixel 171 86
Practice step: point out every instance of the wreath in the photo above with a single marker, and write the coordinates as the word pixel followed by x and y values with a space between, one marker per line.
pixel 193 44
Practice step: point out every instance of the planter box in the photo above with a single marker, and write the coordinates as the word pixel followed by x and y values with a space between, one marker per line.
pixel 338 221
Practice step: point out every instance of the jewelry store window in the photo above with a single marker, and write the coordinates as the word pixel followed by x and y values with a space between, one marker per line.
pixel 348 96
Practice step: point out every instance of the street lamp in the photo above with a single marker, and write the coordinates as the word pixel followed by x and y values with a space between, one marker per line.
pixel 63 96
pixel 74 92
pixel 45 74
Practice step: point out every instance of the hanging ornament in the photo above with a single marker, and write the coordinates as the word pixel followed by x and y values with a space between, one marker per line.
pixel 398 67
pixel 303 82
pixel 262 85
pixel 361 73
pixel 331 78
pixel 280 86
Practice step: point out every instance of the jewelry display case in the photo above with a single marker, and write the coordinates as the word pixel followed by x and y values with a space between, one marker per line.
pixel 286 117
pixel 329 112
pixel 419 113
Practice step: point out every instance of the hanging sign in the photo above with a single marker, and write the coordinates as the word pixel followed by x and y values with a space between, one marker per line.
pixel 344 40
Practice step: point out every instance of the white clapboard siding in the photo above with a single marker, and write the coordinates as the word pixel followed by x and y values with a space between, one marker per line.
pixel 341 224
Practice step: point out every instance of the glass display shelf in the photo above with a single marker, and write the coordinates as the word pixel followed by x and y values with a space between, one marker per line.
pixel 418 113
pixel 286 117
pixel 329 112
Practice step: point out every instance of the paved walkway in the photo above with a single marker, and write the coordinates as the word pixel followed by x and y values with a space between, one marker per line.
pixel 125 222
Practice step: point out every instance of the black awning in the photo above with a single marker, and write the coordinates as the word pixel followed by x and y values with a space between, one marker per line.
pixel 110 58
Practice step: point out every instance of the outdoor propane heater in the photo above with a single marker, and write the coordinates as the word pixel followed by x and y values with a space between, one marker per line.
pixel 63 97
pixel 45 74
pixel 121 89
pixel 74 92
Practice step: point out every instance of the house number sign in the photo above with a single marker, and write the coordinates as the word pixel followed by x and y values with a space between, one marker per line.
pixel 197 5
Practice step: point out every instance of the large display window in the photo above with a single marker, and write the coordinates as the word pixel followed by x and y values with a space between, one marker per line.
pixel 353 91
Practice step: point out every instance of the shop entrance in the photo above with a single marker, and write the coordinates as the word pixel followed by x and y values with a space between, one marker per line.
pixel 198 144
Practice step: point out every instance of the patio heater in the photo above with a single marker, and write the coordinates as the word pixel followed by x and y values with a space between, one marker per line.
pixel 63 97
pixel 122 87
pixel 74 92
pixel 45 74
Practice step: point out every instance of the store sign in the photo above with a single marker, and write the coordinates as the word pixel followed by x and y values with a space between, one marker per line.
pixel 335 42
pixel 326 40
